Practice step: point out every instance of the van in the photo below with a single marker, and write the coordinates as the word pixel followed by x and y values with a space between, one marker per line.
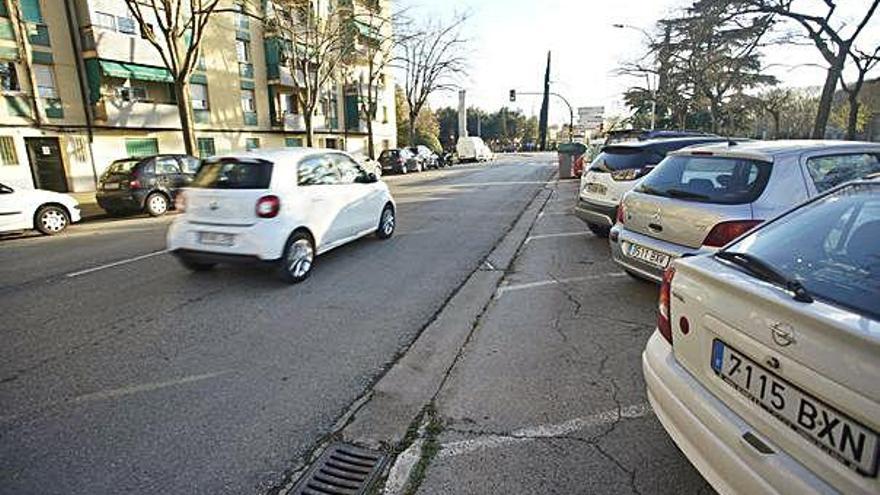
pixel 473 149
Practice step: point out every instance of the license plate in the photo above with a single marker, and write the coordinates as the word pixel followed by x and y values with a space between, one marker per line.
pixel 655 258
pixel 112 185
pixel 216 239
pixel 843 438
pixel 595 188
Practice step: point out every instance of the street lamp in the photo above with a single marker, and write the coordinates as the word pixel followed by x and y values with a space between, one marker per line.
pixel 647 76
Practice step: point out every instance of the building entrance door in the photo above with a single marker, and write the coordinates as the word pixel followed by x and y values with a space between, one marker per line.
pixel 47 167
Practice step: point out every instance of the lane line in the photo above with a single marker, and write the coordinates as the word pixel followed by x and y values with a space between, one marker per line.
pixel 115 263
pixel 543 283
pixel 491 441
pixel 549 236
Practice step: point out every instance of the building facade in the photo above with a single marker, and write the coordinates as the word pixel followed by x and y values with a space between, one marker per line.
pixel 81 87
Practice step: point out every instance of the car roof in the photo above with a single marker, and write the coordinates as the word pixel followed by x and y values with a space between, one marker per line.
pixel 276 155
pixel 665 142
pixel 768 150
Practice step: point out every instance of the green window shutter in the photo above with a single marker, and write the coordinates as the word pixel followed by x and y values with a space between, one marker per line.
pixel 3 11
pixel 293 142
pixel 17 106
pixel 252 143
pixel 93 74
pixel 246 70
pixel 206 147
pixel 30 11
pixel 142 147
pixel 44 58
pixel 6 31
pixel 39 35
pixel 248 85
pixel 352 112
pixel 54 108
pixel 199 79
pixel 250 118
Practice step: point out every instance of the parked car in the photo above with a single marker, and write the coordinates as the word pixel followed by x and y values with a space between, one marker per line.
pixel 615 171
pixel 148 184
pixel 368 164
pixel 47 211
pixel 764 368
pixel 700 198
pixel 426 157
pixel 399 161
pixel 279 206
pixel 473 149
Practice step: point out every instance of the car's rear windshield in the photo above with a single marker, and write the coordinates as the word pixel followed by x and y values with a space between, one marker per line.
pixel 229 173
pixel 831 246
pixel 122 166
pixel 614 158
pixel 389 153
pixel 708 179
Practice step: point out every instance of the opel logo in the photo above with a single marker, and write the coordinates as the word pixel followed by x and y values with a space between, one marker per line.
pixel 213 205
pixel 782 333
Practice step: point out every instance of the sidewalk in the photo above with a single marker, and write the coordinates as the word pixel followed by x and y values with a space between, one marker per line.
pixel 548 395
pixel 88 206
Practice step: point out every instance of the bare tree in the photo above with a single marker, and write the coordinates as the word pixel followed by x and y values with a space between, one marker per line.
pixel 864 63
pixel 315 46
pixel 827 34
pixel 176 29
pixel 431 58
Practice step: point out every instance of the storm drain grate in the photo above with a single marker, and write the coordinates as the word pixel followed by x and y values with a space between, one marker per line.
pixel 342 469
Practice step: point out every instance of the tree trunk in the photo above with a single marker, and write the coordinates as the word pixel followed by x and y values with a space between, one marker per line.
pixel 853 116
pixel 827 97
pixel 371 148
pixel 184 109
pixel 310 135
pixel 776 118
pixel 412 128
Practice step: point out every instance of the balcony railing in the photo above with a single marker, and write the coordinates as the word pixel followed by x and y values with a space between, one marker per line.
pixel 116 113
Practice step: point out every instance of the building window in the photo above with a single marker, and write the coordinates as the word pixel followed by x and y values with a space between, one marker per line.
pixel 293 142
pixel 106 21
pixel 199 96
pixel 8 77
pixel 133 93
pixel 126 25
pixel 288 103
pixel 45 77
pixel 384 114
pixel 243 49
pixel 8 156
pixel 248 101
pixel 206 147
pixel 39 35
pixel 142 147
pixel 251 143
pixel 242 22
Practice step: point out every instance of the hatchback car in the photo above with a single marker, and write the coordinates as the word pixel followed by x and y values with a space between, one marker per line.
pixel 764 367
pixel 148 184
pixel 616 170
pixel 47 211
pixel 282 207
pixel 700 198
pixel 399 161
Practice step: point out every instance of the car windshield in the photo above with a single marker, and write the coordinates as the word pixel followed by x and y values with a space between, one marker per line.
pixel 233 174
pixel 122 166
pixel 388 154
pixel 837 253
pixel 614 158
pixel 708 179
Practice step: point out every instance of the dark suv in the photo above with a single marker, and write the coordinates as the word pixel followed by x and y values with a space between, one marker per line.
pixel 147 184
pixel 399 161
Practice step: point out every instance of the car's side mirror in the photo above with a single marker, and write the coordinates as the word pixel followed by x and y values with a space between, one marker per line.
pixel 371 178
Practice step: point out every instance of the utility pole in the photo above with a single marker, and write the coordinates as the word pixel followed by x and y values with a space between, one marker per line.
pixel 545 104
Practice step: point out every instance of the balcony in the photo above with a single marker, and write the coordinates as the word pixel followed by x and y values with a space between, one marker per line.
pixel 116 113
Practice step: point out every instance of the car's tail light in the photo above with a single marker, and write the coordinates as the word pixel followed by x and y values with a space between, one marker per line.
pixel 725 232
pixel 134 184
pixel 180 202
pixel 268 206
pixel 664 318
pixel 621 214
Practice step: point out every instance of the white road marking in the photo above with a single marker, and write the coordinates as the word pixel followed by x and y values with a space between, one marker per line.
pixel 488 264
pixel 491 441
pixel 549 236
pixel 116 263
pixel 543 283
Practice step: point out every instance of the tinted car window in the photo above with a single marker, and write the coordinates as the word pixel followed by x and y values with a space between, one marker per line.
pixel 233 174
pixel 830 171
pixel 122 166
pixel 388 154
pixel 614 158
pixel 708 179
pixel 317 170
pixel 167 165
pixel 189 164
pixel 836 253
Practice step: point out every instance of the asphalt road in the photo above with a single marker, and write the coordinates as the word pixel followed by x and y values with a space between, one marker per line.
pixel 121 372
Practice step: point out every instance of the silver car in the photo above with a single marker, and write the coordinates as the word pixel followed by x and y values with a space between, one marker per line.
pixel 699 199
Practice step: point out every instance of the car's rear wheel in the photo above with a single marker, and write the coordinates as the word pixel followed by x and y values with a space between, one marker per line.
pixel 192 264
pixel 387 223
pixel 51 219
pixel 298 259
pixel 599 230
pixel 157 204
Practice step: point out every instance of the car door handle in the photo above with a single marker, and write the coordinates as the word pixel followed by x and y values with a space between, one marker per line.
pixel 655 227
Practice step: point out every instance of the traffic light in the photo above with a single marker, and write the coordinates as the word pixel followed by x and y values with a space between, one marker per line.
pixel 512 95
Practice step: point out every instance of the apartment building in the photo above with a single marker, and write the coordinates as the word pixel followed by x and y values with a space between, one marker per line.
pixel 81 88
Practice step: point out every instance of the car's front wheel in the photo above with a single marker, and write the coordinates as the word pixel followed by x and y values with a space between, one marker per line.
pixel 51 219
pixel 157 204
pixel 298 259
pixel 387 223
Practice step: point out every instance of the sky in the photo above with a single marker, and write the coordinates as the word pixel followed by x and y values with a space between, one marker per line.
pixel 509 40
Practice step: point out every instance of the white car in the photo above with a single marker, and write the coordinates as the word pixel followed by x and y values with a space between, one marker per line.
pixel 47 211
pixel 765 368
pixel 473 149
pixel 280 206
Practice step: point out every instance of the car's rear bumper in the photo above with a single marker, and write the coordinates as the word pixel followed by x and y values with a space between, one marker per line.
pixel 595 213
pixel 620 238
pixel 211 257
pixel 712 436
pixel 262 241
